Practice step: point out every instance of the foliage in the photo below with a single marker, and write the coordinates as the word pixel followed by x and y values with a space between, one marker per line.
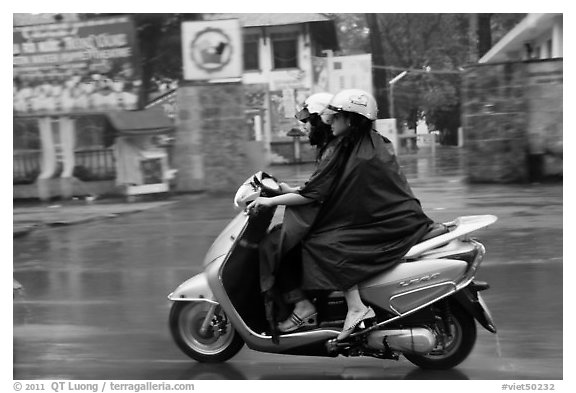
pixel 353 33
pixel 438 43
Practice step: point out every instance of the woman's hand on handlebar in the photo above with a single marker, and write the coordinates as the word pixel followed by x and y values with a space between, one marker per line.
pixel 258 203
pixel 290 199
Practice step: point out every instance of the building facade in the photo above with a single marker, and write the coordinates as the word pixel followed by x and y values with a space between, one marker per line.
pixel 69 144
pixel 284 58
pixel 75 84
pixel 513 105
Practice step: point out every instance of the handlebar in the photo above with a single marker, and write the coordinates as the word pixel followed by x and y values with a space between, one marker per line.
pixel 260 184
pixel 268 185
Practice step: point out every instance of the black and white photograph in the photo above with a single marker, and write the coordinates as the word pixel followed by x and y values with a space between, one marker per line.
pixel 264 196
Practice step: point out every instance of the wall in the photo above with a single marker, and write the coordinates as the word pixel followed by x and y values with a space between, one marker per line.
pixel 512 121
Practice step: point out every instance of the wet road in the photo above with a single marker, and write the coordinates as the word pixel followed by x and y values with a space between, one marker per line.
pixel 94 304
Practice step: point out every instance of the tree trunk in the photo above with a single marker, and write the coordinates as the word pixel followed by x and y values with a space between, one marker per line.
pixel 379 75
pixel 479 36
pixel 149 36
pixel 484 34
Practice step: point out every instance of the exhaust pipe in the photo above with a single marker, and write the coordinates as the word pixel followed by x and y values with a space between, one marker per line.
pixel 414 340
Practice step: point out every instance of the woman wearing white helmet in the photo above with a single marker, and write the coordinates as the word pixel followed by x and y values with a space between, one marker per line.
pixel 372 218
pixel 319 133
pixel 280 251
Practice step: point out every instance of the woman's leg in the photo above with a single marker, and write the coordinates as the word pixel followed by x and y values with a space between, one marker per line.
pixel 289 276
pixel 289 280
pixel 357 312
pixel 353 301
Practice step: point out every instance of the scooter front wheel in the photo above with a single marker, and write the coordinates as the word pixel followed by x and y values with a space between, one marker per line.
pixel 217 342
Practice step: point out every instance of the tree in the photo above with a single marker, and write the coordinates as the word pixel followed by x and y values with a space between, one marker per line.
pixel 433 48
pixel 380 75
pixel 485 29
pixel 353 33
pixel 418 43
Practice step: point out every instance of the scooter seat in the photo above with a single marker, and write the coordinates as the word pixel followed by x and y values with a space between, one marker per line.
pixel 435 230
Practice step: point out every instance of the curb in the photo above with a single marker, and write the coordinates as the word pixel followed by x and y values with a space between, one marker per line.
pixel 21 232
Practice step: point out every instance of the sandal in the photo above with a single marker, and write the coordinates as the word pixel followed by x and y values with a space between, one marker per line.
pixel 294 322
pixel 348 330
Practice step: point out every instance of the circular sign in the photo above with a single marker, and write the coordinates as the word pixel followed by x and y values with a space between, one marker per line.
pixel 211 49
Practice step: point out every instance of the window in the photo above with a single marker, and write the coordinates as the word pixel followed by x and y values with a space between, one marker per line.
pixel 285 50
pixel 251 52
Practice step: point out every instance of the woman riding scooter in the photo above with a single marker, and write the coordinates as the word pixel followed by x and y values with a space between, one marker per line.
pixel 280 261
pixel 369 217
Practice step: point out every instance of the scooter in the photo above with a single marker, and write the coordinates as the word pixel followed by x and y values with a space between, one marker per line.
pixel 425 306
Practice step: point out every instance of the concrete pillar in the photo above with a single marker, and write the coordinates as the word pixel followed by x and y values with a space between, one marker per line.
pixel 297 154
pixel 68 143
pixel 49 159
pixel 188 155
pixel 460 137
pixel 211 137
pixel 557 35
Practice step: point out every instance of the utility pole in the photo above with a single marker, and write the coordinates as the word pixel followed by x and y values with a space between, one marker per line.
pixel 391 83
pixel 379 76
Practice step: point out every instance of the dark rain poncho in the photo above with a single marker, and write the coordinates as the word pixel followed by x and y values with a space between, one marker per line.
pixel 297 221
pixel 364 219
pixel 368 221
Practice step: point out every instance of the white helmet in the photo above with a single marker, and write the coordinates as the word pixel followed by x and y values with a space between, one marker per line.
pixel 316 103
pixel 352 100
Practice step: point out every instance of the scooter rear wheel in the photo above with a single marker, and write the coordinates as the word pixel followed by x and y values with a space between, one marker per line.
pixel 214 346
pixel 458 344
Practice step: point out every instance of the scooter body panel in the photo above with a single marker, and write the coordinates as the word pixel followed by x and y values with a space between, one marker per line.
pixel 462 226
pixel 410 285
pixel 254 340
pixel 193 289
pixel 225 240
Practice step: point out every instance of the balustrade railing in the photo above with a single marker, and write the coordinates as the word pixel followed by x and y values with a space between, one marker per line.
pixel 94 164
pixel 26 167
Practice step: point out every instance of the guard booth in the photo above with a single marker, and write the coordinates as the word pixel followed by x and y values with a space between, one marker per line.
pixel 142 151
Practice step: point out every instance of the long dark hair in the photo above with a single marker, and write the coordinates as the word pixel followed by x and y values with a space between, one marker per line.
pixel 320 134
pixel 360 126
